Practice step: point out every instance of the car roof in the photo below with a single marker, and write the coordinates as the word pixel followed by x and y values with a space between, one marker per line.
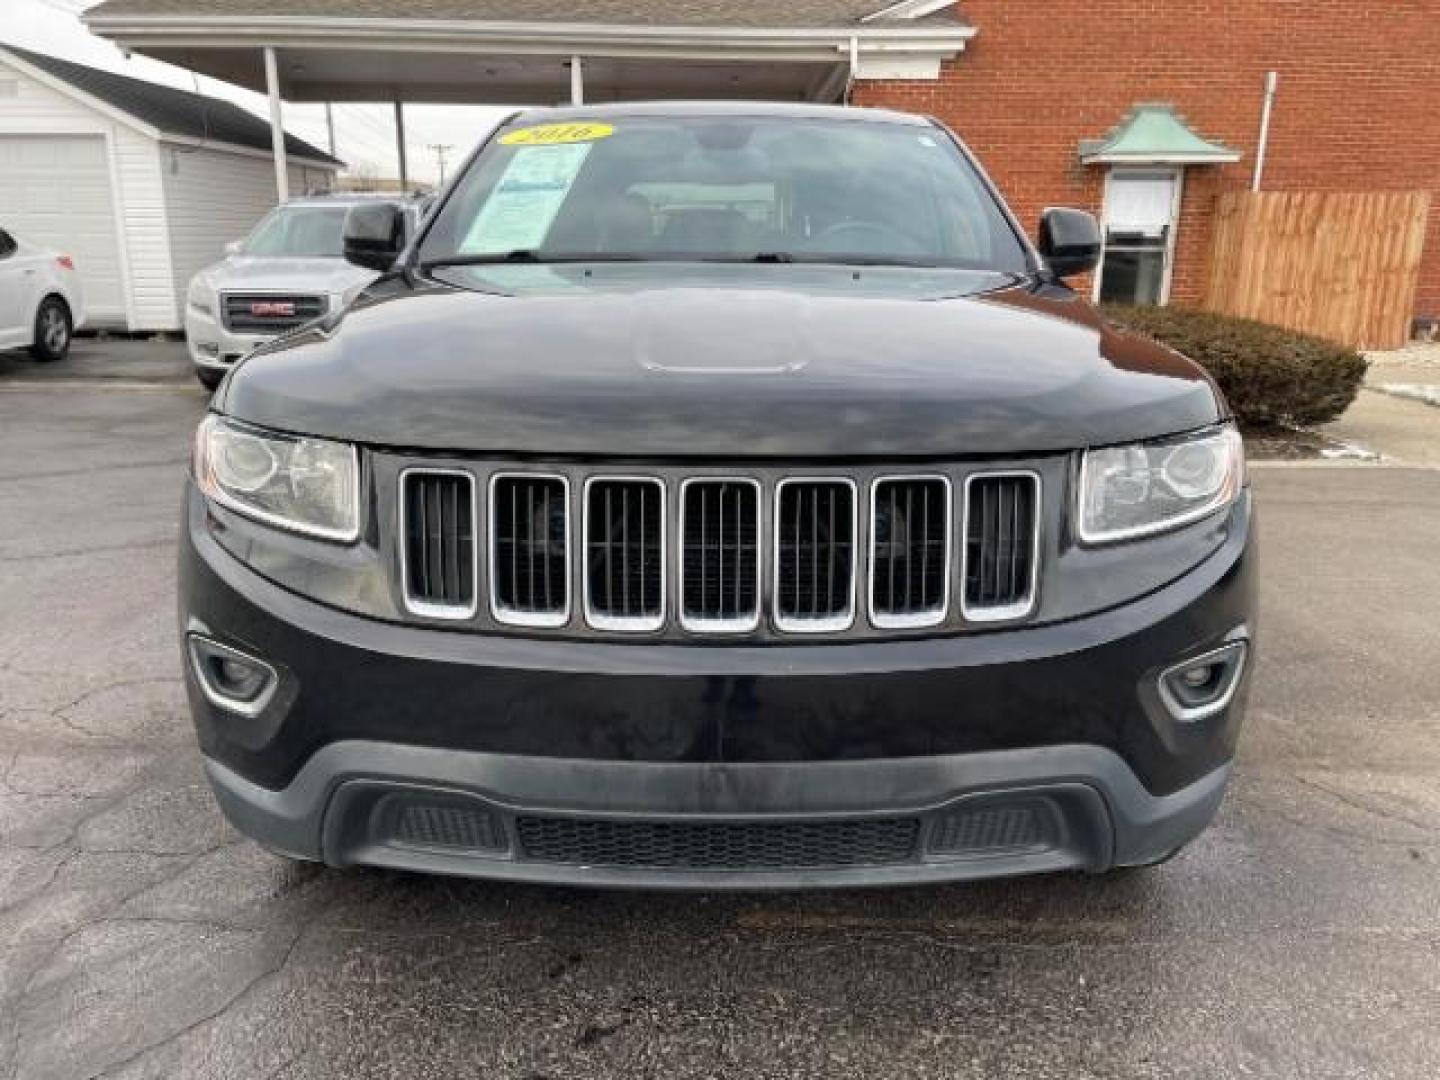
pixel 560 113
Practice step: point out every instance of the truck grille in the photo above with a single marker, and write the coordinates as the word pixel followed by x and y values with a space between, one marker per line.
pixel 738 545
pixel 1001 541
pixel 711 845
pixel 720 555
pixel 530 549
pixel 909 551
pixel 437 513
pixel 262 313
pixel 625 553
pixel 815 555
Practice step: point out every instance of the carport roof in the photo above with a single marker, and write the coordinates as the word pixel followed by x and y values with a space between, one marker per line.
pixel 737 13
pixel 168 110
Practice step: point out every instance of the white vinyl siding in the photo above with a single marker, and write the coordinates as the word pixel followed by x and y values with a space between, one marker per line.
pixel 213 197
pixel 75 218
pixel 162 227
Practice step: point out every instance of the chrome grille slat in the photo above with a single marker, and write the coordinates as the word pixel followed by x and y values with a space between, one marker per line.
pixel 439 555
pixel 909 551
pixel 1002 538
pixel 624 553
pixel 530 549
pixel 720 566
pixel 801 547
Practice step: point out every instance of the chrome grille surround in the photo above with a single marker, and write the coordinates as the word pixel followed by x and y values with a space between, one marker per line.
pixel 932 616
pixel 512 616
pixel 429 608
pixel 735 624
pixel 604 620
pixel 1011 610
pixel 819 624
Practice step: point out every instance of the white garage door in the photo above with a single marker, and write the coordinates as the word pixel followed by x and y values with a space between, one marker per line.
pixel 55 192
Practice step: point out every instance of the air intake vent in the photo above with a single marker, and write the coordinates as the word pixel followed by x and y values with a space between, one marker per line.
pixel 909 551
pixel 530 549
pixel 1001 545
pixel 720 555
pixel 625 553
pixel 815 525
pixel 718 845
pixel 437 516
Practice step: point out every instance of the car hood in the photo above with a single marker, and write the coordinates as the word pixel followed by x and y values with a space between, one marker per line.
pixel 240 273
pixel 779 361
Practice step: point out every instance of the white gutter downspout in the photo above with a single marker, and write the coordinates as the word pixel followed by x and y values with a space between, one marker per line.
pixel 1272 81
pixel 577 81
pixel 277 127
pixel 854 67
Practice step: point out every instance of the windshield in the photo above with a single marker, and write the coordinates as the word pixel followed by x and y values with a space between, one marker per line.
pixel 299 231
pixel 725 188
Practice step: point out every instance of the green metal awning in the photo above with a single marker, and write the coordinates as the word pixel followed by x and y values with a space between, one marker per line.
pixel 1155 135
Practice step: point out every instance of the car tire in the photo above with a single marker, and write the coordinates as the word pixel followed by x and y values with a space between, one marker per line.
pixel 53 330
pixel 208 378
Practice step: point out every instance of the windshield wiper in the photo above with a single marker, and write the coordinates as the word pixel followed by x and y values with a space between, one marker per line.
pixel 529 255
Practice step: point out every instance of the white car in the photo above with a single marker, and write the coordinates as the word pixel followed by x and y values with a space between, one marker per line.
pixel 41 303
pixel 288 271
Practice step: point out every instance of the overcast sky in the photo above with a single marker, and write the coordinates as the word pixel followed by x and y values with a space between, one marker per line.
pixel 364 134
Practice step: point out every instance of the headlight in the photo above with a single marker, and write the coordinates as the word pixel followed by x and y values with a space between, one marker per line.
pixel 201 298
pixel 311 486
pixel 1144 488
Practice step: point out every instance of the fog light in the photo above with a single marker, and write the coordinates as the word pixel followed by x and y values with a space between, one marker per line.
pixel 1203 685
pixel 230 679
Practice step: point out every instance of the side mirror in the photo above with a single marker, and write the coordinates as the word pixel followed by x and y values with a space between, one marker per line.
pixel 374 235
pixel 1070 241
pixel 234 247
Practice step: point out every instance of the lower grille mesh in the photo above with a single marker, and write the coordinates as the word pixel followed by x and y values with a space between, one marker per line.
pixel 992 829
pixel 717 845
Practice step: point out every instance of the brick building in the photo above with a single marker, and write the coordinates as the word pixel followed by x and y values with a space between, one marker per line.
pixel 1142 113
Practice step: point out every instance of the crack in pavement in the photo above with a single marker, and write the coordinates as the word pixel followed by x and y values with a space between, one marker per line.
pixel 100 549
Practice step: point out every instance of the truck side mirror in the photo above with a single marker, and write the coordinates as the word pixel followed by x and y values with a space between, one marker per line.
pixel 1070 241
pixel 374 235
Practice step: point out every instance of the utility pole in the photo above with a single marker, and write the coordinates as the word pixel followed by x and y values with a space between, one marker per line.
pixel 441 149
pixel 330 126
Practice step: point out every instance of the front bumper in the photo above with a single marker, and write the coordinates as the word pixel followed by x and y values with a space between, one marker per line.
pixel 1040 748
pixel 214 348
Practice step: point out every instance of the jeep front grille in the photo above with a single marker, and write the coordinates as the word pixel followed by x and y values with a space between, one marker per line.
pixel 530 549
pixel 720 554
pixel 909 551
pixel 1001 545
pixel 437 515
pixel 815 525
pixel 624 553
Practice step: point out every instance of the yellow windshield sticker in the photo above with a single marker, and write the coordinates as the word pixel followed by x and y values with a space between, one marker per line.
pixel 555 134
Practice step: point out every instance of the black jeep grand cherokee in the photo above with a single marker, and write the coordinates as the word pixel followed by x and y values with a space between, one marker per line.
pixel 719 496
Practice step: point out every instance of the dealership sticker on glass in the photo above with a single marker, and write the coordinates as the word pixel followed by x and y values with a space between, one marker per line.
pixel 520 211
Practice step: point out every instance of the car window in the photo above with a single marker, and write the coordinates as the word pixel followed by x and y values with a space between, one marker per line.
pixel 817 190
pixel 7 245
pixel 299 231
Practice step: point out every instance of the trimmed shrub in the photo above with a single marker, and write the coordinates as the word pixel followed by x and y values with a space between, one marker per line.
pixel 1271 376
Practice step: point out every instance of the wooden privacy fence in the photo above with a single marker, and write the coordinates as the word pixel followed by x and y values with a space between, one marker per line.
pixel 1343 266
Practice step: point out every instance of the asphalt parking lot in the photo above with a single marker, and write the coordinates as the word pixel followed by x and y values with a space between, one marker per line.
pixel 140 937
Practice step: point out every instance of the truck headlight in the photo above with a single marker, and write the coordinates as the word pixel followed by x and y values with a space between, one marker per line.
pixel 1145 488
pixel 309 486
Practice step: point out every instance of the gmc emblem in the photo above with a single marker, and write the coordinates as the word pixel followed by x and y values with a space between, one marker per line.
pixel 271 308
